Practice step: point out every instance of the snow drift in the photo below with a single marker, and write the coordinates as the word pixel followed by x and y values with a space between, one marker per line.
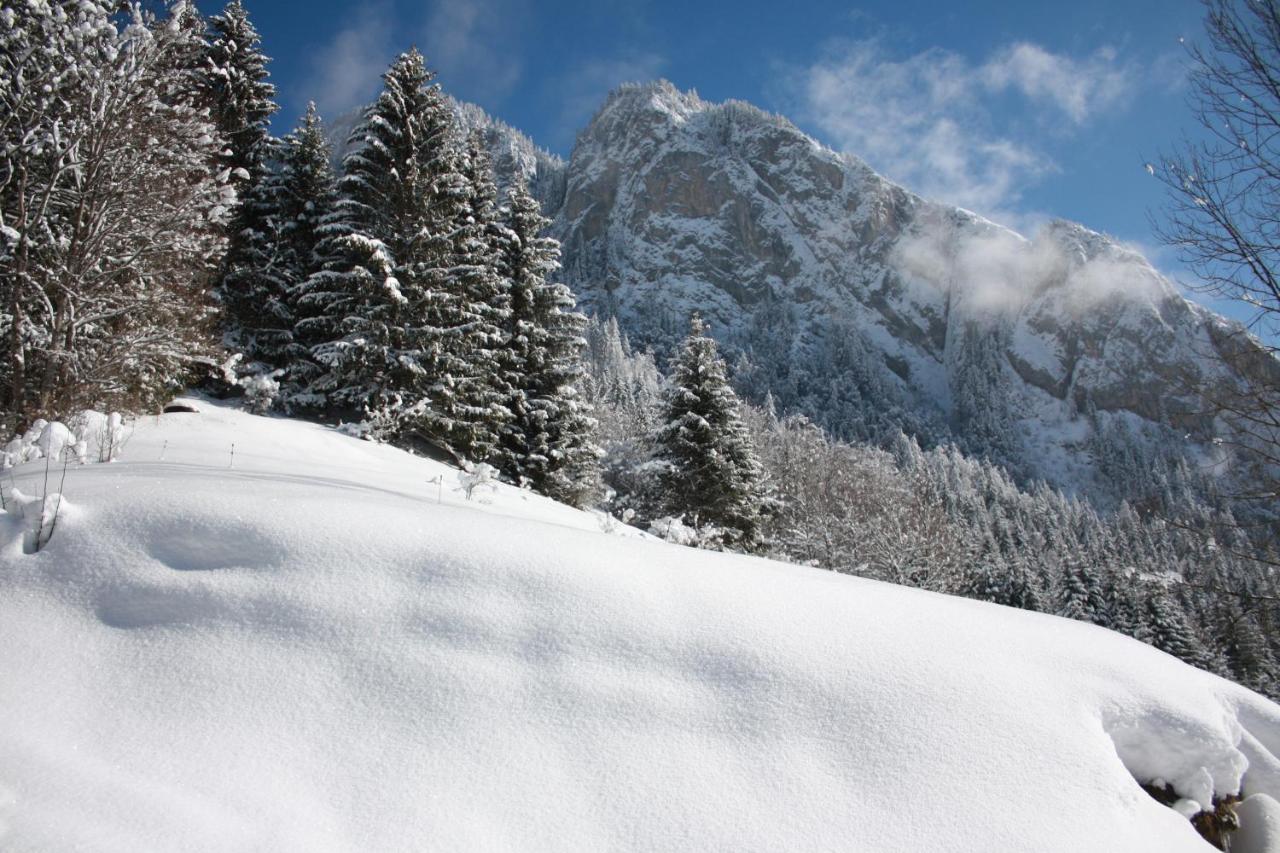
pixel 321 644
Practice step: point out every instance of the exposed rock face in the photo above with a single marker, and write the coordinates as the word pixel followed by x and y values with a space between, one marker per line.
pixel 857 302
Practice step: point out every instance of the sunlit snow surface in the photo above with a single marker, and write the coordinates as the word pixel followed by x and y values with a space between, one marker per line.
pixel 319 646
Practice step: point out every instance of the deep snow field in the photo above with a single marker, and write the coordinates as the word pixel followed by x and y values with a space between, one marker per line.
pixel 322 646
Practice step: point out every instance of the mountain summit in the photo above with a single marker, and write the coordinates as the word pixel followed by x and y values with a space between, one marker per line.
pixel 1065 356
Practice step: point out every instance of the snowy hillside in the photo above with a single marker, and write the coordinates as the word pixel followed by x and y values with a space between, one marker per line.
pixel 322 644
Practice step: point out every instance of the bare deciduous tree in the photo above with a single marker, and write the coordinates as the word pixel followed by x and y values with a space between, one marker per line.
pixel 1223 218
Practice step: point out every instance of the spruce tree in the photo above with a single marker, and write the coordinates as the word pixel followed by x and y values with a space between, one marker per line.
pixel 548 441
pixel 402 302
pixel 471 417
pixel 255 277
pixel 277 254
pixel 242 103
pixel 252 279
pixel 187 33
pixel 305 194
pixel 1170 631
pixel 1126 606
pixel 710 472
pixel 1083 594
pixel 1244 646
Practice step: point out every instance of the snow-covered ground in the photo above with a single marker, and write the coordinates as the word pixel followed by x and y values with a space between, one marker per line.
pixel 322 646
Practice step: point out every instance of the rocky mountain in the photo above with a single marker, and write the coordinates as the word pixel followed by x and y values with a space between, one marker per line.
pixel 846 297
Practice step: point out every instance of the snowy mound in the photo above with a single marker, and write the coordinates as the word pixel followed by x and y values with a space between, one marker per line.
pixel 322 644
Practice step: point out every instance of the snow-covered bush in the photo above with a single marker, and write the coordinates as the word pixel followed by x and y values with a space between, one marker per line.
pixel 110 437
pixel 54 439
pixel 43 440
pixel 380 424
pixel 39 516
pixel 261 391
pixel 481 476
pixel 675 530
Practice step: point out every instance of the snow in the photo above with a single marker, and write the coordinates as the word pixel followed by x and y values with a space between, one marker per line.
pixel 328 647
pixel 1259 826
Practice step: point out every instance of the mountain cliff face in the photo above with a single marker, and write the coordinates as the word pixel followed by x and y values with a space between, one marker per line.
pixel 848 298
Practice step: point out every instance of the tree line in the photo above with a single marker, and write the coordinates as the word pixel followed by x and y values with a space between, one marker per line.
pixel 1174 573
pixel 152 224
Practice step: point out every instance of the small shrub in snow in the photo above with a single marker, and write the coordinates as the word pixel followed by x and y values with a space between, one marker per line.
pixel 109 437
pixel 54 439
pixel 39 517
pixel 230 368
pixel 479 477
pixel 65 442
pixel 261 391
pixel 381 423
pixel 675 530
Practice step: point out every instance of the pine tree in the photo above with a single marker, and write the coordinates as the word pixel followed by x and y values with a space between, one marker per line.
pixel 1126 606
pixel 470 419
pixel 548 441
pixel 241 97
pixel 252 280
pixel 1024 588
pixel 279 253
pixel 305 194
pixel 981 397
pixel 1083 594
pixel 187 33
pixel 1170 631
pixel 255 276
pixel 1244 646
pixel 711 474
pixel 402 305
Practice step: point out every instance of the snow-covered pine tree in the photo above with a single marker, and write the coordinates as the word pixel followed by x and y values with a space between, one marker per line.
pixel 469 419
pixel 1170 631
pixel 252 280
pixel 305 193
pixel 711 475
pixel 1008 581
pixel 1024 587
pixel 1244 646
pixel 1126 605
pixel 548 442
pixel 395 306
pixel 356 301
pixel 112 212
pixel 255 275
pixel 623 389
pixel 1083 593
pixel 981 398
pixel 242 102
pixel 188 58
pixel 277 252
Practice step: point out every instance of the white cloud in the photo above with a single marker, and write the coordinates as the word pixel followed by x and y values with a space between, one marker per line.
pixel 346 72
pixel 996 271
pixel 475 45
pixel 1077 87
pixel 932 121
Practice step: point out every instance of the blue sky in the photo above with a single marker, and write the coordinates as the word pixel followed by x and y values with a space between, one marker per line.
pixel 1021 111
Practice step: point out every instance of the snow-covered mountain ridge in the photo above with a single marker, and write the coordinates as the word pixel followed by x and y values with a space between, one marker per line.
pixel 861 304
pixel 256 633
